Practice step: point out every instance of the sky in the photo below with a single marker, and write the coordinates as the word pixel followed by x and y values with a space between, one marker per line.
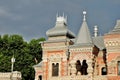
pixel 32 18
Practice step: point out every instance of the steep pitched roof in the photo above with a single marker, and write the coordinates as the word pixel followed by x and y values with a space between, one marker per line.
pixel 99 42
pixel 84 35
pixel 60 29
pixel 39 64
pixel 116 28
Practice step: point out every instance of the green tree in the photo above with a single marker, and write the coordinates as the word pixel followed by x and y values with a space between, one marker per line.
pixel 35 49
pixel 5 64
pixel 26 54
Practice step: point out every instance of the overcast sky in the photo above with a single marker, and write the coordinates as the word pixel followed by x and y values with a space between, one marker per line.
pixel 32 18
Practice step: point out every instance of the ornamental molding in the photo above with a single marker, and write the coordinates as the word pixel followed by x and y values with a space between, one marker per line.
pixel 81 50
pixel 80 57
pixel 54 48
pixel 55 58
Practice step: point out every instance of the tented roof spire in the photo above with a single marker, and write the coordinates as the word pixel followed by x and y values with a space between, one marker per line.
pixel 84 35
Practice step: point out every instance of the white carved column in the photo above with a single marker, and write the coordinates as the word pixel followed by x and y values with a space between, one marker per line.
pixel 90 69
pixel 73 69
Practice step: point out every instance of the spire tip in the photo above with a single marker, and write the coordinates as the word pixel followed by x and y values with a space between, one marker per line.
pixel 84 13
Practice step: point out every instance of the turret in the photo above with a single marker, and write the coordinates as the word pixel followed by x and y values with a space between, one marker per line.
pixel 60 29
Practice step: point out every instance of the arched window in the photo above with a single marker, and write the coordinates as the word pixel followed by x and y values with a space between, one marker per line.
pixel 118 67
pixel 40 77
pixel 84 68
pixel 104 71
pixel 78 67
pixel 55 69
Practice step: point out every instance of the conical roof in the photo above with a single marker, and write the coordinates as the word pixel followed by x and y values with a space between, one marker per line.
pixel 84 36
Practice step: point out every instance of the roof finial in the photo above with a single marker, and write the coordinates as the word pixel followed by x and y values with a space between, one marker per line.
pixel 84 13
pixel 57 15
pixel 66 18
pixel 63 15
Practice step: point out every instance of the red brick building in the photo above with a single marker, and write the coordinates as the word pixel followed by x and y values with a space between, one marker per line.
pixel 81 57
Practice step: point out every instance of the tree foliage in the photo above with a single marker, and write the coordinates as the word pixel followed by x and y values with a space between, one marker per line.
pixel 26 54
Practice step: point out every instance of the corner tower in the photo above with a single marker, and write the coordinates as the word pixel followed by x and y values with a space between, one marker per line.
pixel 82 49
pixel 112 43
pixel 55 49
